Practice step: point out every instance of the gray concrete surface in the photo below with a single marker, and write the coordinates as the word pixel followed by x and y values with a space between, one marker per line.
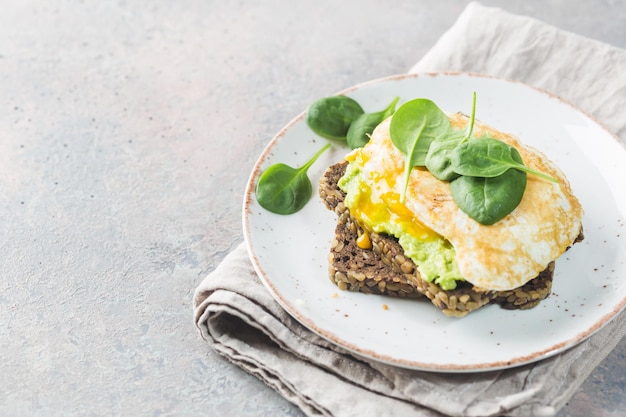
pixel 127 133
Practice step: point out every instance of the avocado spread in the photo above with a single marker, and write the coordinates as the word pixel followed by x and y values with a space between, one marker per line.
pixel 433 255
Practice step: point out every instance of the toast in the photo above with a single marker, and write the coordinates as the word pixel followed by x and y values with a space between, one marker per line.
pixel 383 268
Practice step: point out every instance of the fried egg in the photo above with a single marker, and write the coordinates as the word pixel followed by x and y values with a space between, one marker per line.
pixel 502 256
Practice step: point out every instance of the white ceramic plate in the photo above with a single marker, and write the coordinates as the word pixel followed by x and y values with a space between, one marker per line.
pixel 290 252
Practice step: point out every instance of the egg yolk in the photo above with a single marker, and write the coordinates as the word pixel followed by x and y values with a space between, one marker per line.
pixel 378 208
pixel 387 209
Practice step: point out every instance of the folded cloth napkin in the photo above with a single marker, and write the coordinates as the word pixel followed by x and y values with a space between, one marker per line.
pixel 241 321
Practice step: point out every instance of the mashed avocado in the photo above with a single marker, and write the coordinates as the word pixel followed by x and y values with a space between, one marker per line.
pixel 433 255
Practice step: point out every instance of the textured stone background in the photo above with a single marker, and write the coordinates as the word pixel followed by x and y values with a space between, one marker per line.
pixel 127 132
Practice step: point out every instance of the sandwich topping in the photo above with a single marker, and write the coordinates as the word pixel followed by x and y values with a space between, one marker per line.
pixel 445 243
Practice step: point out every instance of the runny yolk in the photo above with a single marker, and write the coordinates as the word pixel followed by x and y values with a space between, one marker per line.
pixel 358 156
pixel 363 241
pixel 388 210
pixel 387 213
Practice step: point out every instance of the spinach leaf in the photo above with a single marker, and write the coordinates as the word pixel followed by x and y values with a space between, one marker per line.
pixel 361 129
pixel 438 159
pixel 331 117
pixel 488 200
pixel 414 126
pixel 282 189
pixel 489 157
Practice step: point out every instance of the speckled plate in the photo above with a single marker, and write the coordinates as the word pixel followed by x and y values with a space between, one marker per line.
pixel 290 252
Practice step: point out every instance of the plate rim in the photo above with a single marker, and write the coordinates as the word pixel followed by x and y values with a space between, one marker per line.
pixel 336 340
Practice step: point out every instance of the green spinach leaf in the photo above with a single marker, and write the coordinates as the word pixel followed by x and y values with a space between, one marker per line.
pixel 488 200
pixel 331 117
pixel 361 129
pixel 414 126
pixel 282 189
pixel 438 158
pixel 489 157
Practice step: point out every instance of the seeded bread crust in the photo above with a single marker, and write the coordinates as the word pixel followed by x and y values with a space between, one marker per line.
pixel 383 269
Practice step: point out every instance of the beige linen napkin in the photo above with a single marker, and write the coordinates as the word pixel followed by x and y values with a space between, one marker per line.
pixel 241 321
